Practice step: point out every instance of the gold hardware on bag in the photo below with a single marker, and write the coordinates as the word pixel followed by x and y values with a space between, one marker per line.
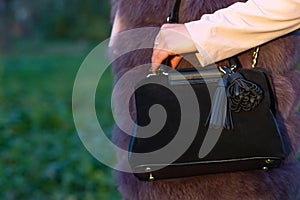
pixel 148 169
pixel 254 57
pixel 225 70
pixel 269 161
pixel 151 177
pixel 265 168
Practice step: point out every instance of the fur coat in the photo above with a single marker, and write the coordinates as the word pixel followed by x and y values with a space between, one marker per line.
pixel 279 57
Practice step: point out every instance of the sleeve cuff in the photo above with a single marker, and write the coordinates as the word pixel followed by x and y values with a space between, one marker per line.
pixel 202 55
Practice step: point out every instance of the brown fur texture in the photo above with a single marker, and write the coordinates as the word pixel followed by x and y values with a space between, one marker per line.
pixel 278 57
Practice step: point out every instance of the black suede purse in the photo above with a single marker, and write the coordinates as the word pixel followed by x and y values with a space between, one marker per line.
pixel 231 128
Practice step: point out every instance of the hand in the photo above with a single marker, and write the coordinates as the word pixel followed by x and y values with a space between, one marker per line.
pixel 172 40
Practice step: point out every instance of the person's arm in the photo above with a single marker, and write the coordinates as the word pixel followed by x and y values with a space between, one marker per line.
pixel 242 26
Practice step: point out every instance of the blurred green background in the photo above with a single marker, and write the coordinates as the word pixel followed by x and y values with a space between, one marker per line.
pixel 42 45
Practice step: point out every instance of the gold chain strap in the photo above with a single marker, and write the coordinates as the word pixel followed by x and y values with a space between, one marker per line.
pixel 254 57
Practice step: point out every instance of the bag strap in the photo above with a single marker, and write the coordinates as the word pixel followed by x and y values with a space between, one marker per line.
pixel 255 56
pixel 174 14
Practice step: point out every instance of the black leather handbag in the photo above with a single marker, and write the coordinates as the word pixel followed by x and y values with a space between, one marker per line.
pixel 231 128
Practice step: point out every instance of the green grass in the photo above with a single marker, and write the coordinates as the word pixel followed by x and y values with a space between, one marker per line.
pixel 41 154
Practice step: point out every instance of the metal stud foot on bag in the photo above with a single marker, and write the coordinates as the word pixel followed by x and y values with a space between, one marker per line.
pixel 265 168
pixel 151 177
pixel 269 161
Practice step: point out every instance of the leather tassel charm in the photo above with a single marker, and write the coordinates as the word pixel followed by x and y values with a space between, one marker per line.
pixel 233 93
pixel 228 121
pixel 219 106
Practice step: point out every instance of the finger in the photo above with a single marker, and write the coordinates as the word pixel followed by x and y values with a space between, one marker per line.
pixel 158 57
pixel 175 61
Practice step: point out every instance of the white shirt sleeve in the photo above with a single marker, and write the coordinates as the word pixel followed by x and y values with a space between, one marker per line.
pixel 242 26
